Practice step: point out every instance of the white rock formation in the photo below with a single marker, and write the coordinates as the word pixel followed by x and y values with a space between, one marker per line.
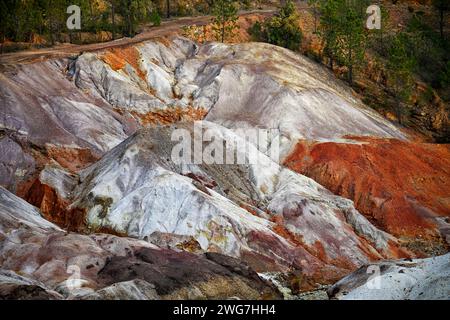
pixel 136 189
pixel 262 213
pixel 40 261
pixel 40 102
pixel 241 86
pixel 418 279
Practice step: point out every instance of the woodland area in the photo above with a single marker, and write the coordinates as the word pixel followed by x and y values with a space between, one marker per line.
pixel 415 52
pixel 28 20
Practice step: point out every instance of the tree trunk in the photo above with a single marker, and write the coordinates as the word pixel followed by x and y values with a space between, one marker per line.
pixel 381 39
pixel 315 18
pixel 130 25
pixel 16 35
pixel 350 67
pixel 52 37
pixel 210 5
pixel 168 9
pixel 350 75
pixel 441 23
pixel 398 111
pixel 113 19
pixel 223 32
pixel 205 33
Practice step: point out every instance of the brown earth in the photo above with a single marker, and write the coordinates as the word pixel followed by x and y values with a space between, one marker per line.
pixel 171 116
pixel 428 110
pixel 215 276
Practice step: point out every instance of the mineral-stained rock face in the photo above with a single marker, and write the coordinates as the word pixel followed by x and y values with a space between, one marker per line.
pixel 109 267
pixel 243 85
pixel 403 187
pixel 44 116
pixel 73 110
pixel 72 144
pixel 14 163
pixel 137 190
pixel 418 279
pixel 40 102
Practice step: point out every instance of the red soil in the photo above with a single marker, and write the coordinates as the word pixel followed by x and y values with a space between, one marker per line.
pixel 55 209
pixel 117 58
pixel 71 158
pixel 400 186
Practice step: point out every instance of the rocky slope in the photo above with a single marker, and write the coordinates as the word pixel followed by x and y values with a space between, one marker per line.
pixel 71 146
pixel 41 261
pixel 400 186
pixel 262 213
pixel 426 279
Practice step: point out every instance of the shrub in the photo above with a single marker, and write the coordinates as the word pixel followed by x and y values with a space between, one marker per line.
pixel 155 18
pixel 282 29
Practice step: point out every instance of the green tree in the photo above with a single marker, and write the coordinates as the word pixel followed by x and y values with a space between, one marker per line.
pixel 343 33
pixel 20 20
pixel 444 77
pixel 133 12
pixel 113 4
pixel 55 15
pixel 127 9
pixel 314 4
pixel 167 9
pixel 7 10
pixel 283 29
pixel 155 17
pixel 442 6
pixel 399 67
pixel 225 18
pixel 328 21
pixel 4 22
pixel 351 40
pixel 378 35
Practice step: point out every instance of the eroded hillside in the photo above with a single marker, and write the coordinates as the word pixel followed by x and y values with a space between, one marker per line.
pixel 87 141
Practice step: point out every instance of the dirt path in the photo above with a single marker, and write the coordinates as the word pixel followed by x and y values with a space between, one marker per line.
pixel 166 28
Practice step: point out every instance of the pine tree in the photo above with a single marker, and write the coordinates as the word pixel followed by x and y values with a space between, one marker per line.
pixel 225 18
pixel 167 9
pixel 55 14
pixel 5 24
pixel 328 32
pixel 400 67
pixel 381 33
pixel 133 12
pixel 283 29
pixel 442 6
pixel 113 4
pixel 314 4
pixel 351 39
pixel 343 33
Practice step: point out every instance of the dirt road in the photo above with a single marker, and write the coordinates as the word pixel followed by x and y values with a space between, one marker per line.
pixel 166 28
